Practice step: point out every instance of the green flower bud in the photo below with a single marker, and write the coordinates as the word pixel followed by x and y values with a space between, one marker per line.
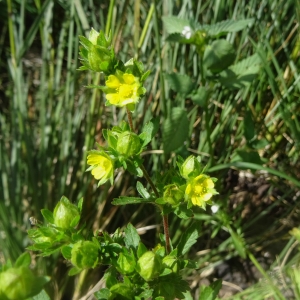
pixel 173 194
pixel 149 265
pixel 65 214
pixel 190 166
pixel 84 254
pixel 19 283
pixel 128 144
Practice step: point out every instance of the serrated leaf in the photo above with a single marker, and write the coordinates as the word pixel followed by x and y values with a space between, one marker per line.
pixel 175 129
pixel 48 215
pixel 23 260
pixel 142 191
pixel 132 238
pixel 180 83
pixel 66 252
pixel 183 212
pixel 222 28
pixel 200 96
pixel 103 294
pixel 218 56
pixel 141 250
pixel 188 239
pixel 175 25
pixel 242 73
pixel 211 292
pixel 149 130
pixel 123 200
pixel 177 38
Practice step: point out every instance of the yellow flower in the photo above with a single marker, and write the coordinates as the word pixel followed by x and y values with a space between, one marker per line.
pixel 124 89
pixel 200 190
pixel 101 166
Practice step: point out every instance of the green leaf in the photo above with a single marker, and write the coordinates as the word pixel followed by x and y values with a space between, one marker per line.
pixel 238 242
pixel 247 155
pixel 222 28
pixel 66 251
pixel 175 129
pixel 123 200
pixel 123 290
pixel 48 215
pixel 249 127
pixel 188 239
pixel 242 73
pixel 80 203
pixel 74 271
pixel 218 56
pixel 175 25
pixel 75 221
pixel 41 296
pixel 23 260
pixel 141 250
pixel 149 130
pixel 180 83
pixel 211 292
pixel 183 212
pixel 103 294
pixel 132 238
pixel 200 96
pixel 142 191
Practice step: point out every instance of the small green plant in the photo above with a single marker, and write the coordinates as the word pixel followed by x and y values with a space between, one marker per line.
pixel 134 271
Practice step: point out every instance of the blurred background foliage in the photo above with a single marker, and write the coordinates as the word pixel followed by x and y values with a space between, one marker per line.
pixel 249 137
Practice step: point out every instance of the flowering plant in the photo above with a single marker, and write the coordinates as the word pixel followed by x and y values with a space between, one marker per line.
pixel 133 271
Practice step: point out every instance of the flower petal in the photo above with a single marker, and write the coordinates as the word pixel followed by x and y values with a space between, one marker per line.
pixel 112 82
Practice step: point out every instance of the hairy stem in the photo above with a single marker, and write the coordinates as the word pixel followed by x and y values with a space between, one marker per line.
pixel 147 177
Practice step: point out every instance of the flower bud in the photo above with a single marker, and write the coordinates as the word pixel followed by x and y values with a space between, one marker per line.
pixel 128 144
pixel 172 194
pixel 19 283
pixel 190 166
pixel 84 254
pixel 65 214
pixel 149 265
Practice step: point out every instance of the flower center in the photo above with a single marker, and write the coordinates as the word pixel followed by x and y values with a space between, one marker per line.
pixel 125 90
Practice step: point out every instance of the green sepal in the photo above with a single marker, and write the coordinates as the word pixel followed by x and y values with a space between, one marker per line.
pixel 48 215
pixel 142 191
pixel 141 249
pixel 23 260
pixel 66 252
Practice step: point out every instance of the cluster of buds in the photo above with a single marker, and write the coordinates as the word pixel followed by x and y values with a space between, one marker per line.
pixel 192 187
pixel 18 281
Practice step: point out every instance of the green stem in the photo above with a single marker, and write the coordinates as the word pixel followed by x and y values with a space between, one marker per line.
pixel 109 17
pixel 11 33
pixel 147 177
